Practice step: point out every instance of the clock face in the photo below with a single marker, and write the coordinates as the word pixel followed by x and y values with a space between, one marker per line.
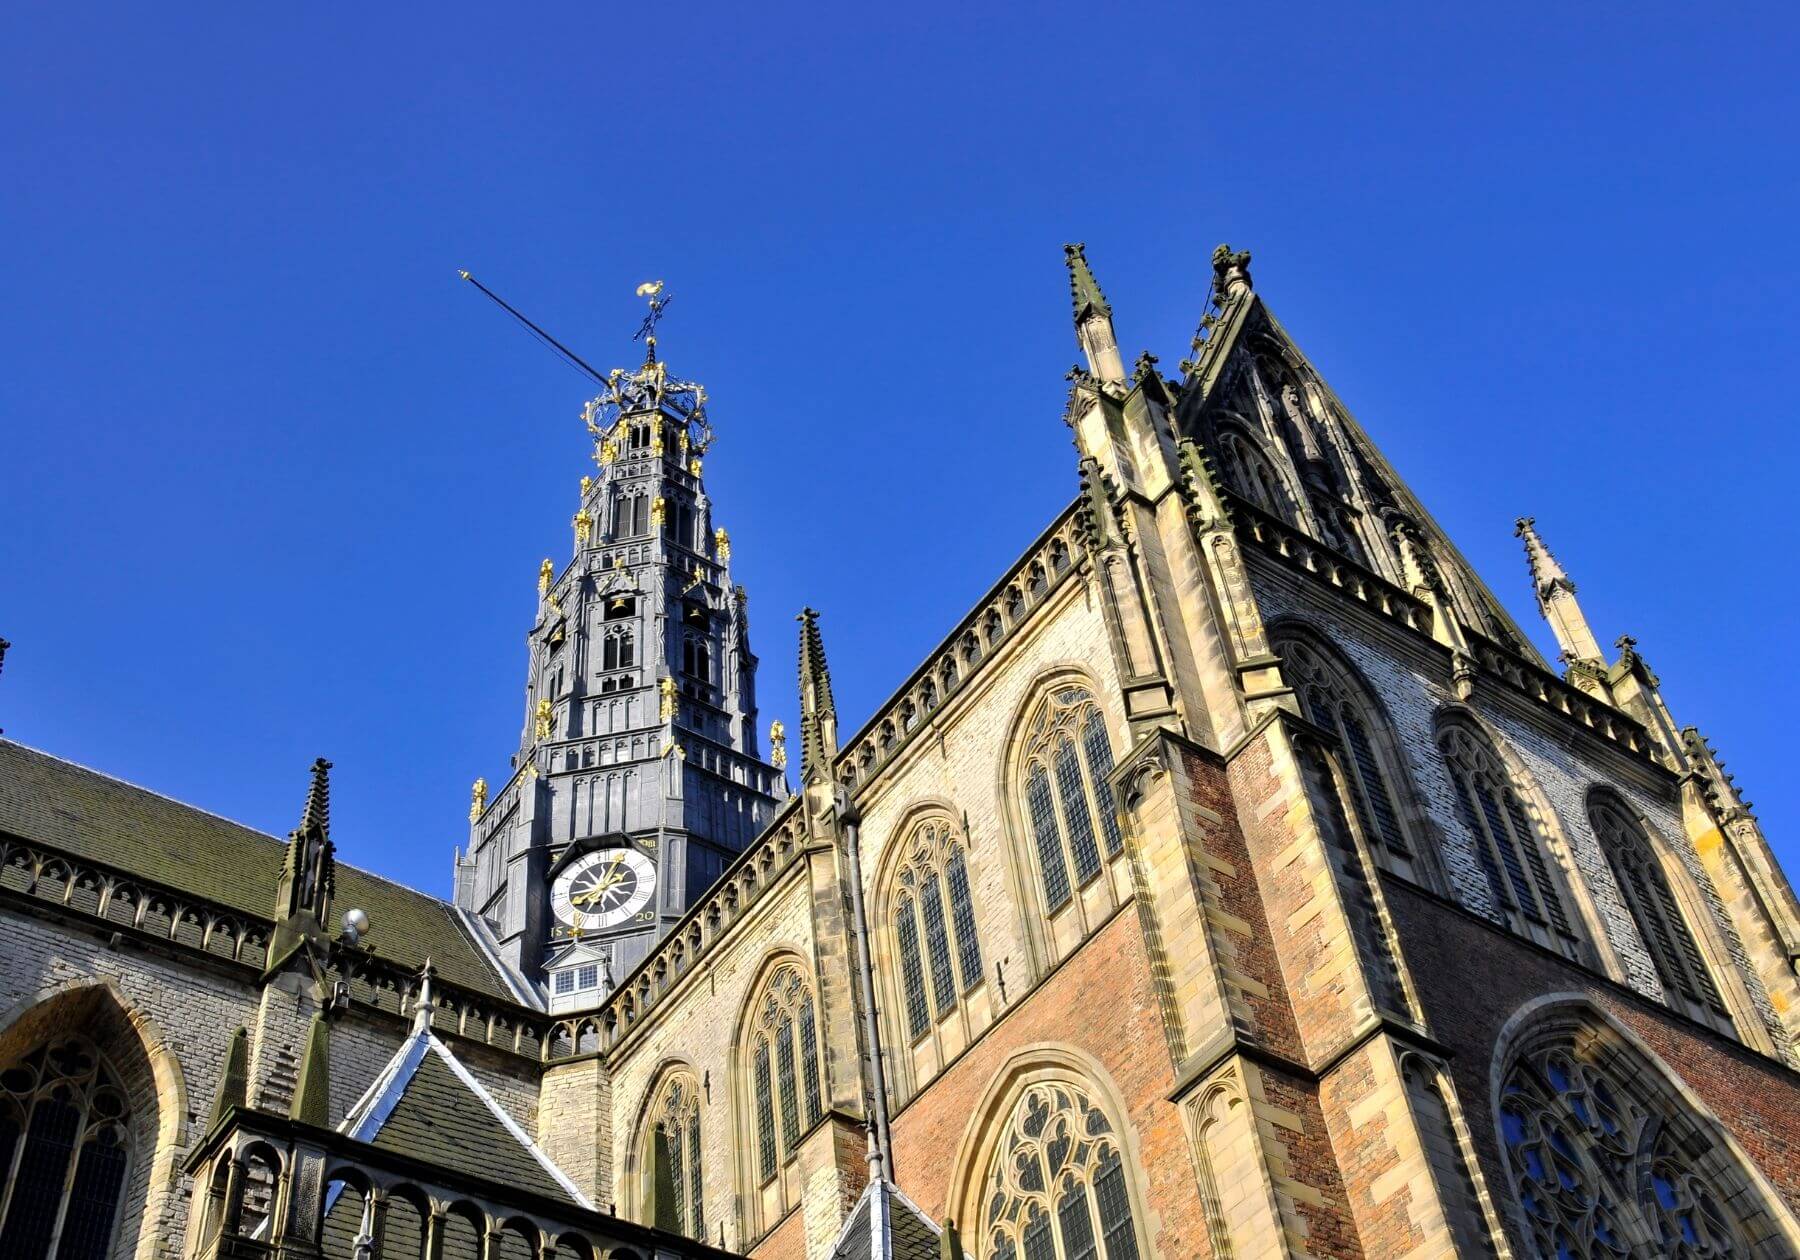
pixel 603 889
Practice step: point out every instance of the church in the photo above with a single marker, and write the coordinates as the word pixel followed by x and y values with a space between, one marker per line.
pixel 1234 879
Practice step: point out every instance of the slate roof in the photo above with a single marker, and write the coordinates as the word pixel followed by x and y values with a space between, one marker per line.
pixel 886 1225
pixel 426 1104
pixel 78 811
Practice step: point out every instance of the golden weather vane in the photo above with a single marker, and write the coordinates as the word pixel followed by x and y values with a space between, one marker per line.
pixel 652 290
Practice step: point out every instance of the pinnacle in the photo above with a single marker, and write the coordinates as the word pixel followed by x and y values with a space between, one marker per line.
pixel 818 712
pixel 317 812
pixel 1083 288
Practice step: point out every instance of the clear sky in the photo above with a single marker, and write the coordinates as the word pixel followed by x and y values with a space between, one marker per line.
pixel 276 485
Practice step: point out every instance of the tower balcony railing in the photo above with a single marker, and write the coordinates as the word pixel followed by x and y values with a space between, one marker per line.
pixel 271 1188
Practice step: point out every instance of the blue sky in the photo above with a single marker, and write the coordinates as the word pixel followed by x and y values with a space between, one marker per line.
pixel 276 485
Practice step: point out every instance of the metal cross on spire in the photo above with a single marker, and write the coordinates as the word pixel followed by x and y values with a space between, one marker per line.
pixel 653 291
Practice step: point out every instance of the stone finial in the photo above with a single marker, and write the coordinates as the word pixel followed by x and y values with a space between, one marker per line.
pixel 1083 288
pixel 1556 597
pixel 317 811
pixel 818 711
pixel 1546 573
pixel 425 1004
pixel 1231 272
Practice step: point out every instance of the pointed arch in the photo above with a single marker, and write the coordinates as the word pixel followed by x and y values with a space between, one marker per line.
pixel 133 1065
pixel 779 1085
pixel 1676 929
pixel 666 1170
pixel 1608 1152
pixel 1337 698
pixel 1530 884
pixel 1253 474
pixel 1066 842
pixel 928 948
pixel 1048 1162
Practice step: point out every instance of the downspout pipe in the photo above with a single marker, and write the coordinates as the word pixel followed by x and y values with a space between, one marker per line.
pixel 865 974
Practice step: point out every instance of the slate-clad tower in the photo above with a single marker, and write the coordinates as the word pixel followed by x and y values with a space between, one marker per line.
pixel 638 774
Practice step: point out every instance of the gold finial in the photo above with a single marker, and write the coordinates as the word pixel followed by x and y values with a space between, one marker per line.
pixel 546 575
pixel 648 289
pixel 684 442
pixel 543 719
pixel 584 527
pixel 607 453
pixel 722 544
pixel 657 509
pixel 778 744
pixel 587 483
pixel 477 800
pixel 667 690
pixel 619 560
pixel 694 467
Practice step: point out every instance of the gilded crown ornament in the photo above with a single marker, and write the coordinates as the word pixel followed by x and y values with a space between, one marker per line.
pixel 648 389
pixel 477 800
pixel 546 575
pixel 584 526
pixel 778 755
pixel 544 717
pixel 722 545
pixel 666 689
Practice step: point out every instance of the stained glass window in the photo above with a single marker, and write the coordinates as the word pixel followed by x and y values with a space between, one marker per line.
pixel 930 938
pixel 785 1047
pixel 675 1156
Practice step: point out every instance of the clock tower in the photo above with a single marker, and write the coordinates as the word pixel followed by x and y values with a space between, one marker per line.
pixel 638 775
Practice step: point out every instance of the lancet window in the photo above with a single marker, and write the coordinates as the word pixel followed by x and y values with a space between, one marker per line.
pixel 65 1145
pixel 672 1158
pixel 1509 848
pixel 1645 885
pixel 1607 1162
pixel 630 515
pixel 1068 806
pixel 1253 476
pixel 1056 1187
pixel 1339 707
pixel 934 926
pixel 785 1070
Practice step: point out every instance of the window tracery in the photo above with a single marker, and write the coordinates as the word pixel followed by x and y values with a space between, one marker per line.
pixel 1653 907
pixel 1335 705
pixel 1056 1189
pixel 1599 1171
pixel 1251 473
pixel 673 1156
pixel 934 926
pixel 785 1086
pixel 64 1146
pixel 1510 850
pixel 1068 805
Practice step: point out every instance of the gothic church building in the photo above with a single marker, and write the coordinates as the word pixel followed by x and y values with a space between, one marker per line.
pixel 1233 880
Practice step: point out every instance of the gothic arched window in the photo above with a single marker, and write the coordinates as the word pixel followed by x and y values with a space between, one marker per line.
pixel 1606 1160
pixel 1253 476
pixel 934 926
pixel 64 1147
pixel 1509 848
pixel 1056 1185
pixel 1686 979
pixel 1337 705
pixel 785 1071
pixel 696 658
pixel 672 1176
pixel 1067 804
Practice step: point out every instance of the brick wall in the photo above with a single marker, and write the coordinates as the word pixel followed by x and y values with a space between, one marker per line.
pixel 1473 977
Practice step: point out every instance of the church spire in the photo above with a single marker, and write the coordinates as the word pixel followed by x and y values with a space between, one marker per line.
pixel 1093 317
pixel 818 712
pixel 1556 597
